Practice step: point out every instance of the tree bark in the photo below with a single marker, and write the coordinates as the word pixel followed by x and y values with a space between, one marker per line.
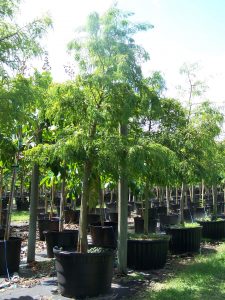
pixel 167 201
pixel 176 195
pixel 62 201
pixel 214 194
pixel 33 214
pixel 182 204
pixel 203 189
pixel 122 209
pixel 82 241
pixel 10 205
pixel 1 189
pixel 101 201
pixel 146 217
pixel 46 199
pixel 52 197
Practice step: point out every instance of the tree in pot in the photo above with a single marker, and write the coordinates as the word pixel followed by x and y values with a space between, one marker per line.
pixel 10 247
pixel 213 226
pixel 146 251
pixel 194 152
pixel 16 44
pixel 63 239
pixel 101 97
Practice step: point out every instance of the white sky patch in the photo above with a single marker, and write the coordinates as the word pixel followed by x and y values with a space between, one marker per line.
pixel 173 41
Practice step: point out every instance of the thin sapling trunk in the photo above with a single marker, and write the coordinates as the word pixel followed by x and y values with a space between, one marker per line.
pixel 62 201
pixel 46 199
pixel 101 201
pixel 10 205
pixel 82 240
pixel 167 201
pixel 1 189
pixel 182 204
pixel 214 194
pixel 146 216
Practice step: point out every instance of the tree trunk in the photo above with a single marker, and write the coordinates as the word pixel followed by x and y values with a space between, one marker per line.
pixel 1 188
pixel 182 204
pixel 46 199
pixel 157 193
pixel 214 194
pixel 22 187
pixel 101 201
pixel 82 241
pixel 161 194
pixel 146 210
pixel 176 195
pixel 185 198
pixel 62 201
pixel 10 205
pixel 33 214
pixel 203 188
pixel 167 201
pixel 122 209
pixel 52 197
pixel 224 199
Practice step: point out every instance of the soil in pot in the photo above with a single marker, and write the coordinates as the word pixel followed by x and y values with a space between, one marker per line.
pixel 67 240
pixel 84 275
pixel 10 255
pixel 184 239
pixel 147 254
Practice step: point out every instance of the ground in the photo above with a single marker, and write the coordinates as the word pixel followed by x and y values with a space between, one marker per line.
pixel 38 280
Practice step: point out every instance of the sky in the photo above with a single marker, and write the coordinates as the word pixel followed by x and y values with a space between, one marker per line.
pixel 185 31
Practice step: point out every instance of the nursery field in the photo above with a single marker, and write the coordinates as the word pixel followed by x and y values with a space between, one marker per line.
pixel 105 173
pixel 188 277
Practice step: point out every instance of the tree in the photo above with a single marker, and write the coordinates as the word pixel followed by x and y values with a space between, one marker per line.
pixel 18 44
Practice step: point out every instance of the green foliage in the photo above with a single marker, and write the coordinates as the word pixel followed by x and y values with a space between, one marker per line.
pixel 151 162
pixel 18 44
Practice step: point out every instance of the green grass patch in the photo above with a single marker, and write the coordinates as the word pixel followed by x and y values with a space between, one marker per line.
pixel 150 236
pixel 204 278
pixel 20 216
pixel 186 225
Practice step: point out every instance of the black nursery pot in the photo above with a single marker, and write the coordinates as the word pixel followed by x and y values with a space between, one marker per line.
pixel 213 229
pixel 67 240
pixel 103 236
pixel 83 275
pixel 46 225
pixel 139 225
pixel 2 233
pixel 184 240
pixel 147 254
pixel 113 216
pixel 93 218
pixel 10 255
pixel 72 216
pixel 168 220
pixel 22 205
